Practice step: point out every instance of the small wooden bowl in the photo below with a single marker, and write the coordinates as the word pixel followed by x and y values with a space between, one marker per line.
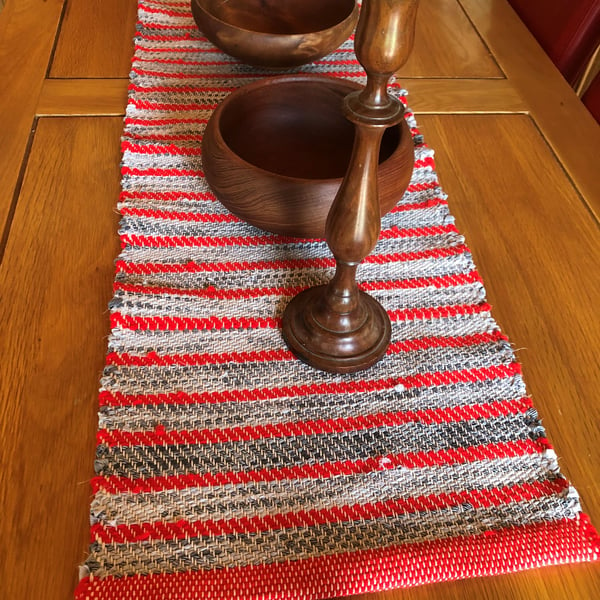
pixel 276 34
pixel 275 152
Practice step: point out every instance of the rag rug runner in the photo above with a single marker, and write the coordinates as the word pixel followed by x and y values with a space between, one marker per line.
pixel 226 468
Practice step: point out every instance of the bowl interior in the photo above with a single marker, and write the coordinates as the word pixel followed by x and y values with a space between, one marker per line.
pixel 280 16
pixel 295 129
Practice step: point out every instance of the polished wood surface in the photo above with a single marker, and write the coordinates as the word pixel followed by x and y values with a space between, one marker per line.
pixel 276 34
pixel 515 150
pixel 287 188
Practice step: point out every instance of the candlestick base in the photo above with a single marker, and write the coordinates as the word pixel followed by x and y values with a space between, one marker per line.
pixel 349 342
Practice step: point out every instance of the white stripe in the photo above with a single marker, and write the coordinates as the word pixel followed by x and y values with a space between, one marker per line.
pixel 271 305
pixel 141 342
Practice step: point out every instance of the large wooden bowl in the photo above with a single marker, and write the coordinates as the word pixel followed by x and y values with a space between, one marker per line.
pixel 276 34
pixel 275 153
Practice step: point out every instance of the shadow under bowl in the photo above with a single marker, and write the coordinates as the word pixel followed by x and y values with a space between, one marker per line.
pixel 275 152
pixel 276 34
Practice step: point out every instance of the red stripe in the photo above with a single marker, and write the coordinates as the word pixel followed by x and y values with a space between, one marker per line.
pixel 166 196
pixel 442 281
pixel 171 38
pixel 355 386
pixel 165 106
pixel 134 211
pixel 336 62
pixel 167 241
pixel 168 323
pixel 455 414
pixel 160 149
pixel 146 241
pixel 181 61
pixel 196 50
pixel 194 267
pixel 411 460
pixel 171 107
pixel 229 75
pixel 188 89
pixel 431 203
pixel 162 138
pixel 196 75
pixel 153 172
pixel 438 312
pixel 421 187
pixel 182 529
pixel 152 359
pixel 425 162
pixel 152 122
pixel 165 27
pixel 162 11
pixel 210 291
pixel 490 553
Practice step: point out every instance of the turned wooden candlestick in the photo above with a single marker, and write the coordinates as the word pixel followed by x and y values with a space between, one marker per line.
pixel 337 327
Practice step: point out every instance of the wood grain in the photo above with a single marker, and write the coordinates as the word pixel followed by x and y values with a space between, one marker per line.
pixel 102 32
pixel 55 284
pixel 446 45
pixel 571 132
pixel 63 97
pixel 457 96
pixel 27 30
pixel 68 97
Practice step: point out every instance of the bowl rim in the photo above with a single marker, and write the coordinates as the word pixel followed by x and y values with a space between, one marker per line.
pixel 277 80
pixel 350 16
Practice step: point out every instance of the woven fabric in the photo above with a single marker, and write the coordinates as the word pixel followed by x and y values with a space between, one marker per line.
pixel 228 469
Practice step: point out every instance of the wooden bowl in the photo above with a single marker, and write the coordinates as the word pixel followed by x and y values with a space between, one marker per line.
pixel 276 34
pixel 275 152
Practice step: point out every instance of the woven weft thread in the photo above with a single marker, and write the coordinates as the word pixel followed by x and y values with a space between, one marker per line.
pixel 228 469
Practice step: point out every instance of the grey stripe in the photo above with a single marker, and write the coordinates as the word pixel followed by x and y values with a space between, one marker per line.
pixel 257 252
pixel 305 408
pixel 401 220
pixel 195 37
pixel 182 204
pixel 269 453
pixel 271 498
pixel 142 341
pixel 335 538
pixel 156 183
pixel 286 373
pixel 436 215
pixel 163 161
pixel 271 305
pixel 140 131
pixel 428 267
pixel 233 68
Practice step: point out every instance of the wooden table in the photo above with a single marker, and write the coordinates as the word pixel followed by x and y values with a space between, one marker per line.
pixel 516 152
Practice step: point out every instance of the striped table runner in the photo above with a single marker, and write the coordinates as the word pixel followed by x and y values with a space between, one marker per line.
pixel 227 469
